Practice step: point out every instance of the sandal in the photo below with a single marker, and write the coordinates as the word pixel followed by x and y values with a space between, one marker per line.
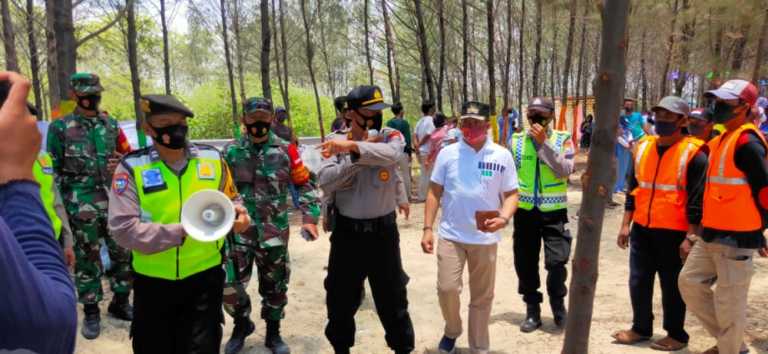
pixel 628 337
pixel 668 344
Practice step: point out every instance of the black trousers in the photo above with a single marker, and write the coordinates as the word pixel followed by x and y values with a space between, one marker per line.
pixel 656 251
pixel 183 316
pixel 531 228
pixel 367 249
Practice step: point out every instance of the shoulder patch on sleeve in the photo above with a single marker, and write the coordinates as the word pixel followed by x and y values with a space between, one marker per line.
pixel 120 183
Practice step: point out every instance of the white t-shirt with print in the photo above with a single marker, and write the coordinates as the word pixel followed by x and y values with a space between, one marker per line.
pixel 472 181
pixel 424 126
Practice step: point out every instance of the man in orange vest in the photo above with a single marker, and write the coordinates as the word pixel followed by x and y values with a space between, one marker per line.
pixel 666 182
pixel 735 212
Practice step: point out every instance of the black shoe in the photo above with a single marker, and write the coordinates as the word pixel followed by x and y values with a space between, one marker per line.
pixel 243 328
pixel 559 313
pixel 91 322
pixel 120 308
pixel 273 341
pixel 339 350
pixel 532 319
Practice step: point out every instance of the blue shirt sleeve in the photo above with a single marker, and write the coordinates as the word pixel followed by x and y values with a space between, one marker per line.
pixel 37 301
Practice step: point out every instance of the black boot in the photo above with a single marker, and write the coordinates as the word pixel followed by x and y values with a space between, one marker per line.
pixel 532 319
pixel 273 340
pixel 243 328
pixel 341 350
pixel 559 312
pixel 121 308
pixel 91 322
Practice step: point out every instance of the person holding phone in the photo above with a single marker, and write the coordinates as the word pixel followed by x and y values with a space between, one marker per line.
pixel 475 182
pixel 544 160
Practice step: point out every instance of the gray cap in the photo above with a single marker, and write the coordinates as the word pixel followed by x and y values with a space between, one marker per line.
pixel 673 104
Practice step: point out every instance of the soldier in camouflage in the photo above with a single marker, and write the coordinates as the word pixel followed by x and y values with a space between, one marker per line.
pixel 264 166
pixel 85 147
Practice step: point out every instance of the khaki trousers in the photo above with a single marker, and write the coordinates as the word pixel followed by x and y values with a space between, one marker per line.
pixel 722 310
pixel 451 257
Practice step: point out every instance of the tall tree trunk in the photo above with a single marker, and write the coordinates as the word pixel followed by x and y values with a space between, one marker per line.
pixel 688 32
pixel 424 51
pixel 581 69
pixel 465 50
pixel 521 59
pixel 51 62
pixel 394 74
pixel 133 65
pixel 230 73
pixel 441 31
pixel 239 48
pixel 9 38
pixel 491 65
pixel 553 60
pixel 278 63
pixel 166 57
pixel 663 86
pixel 537 58
pixel 66 45
pixel 598 178
pixel 324 48
pixel 760 49
pixel 266 37
pixel 368 58
pixel 568 53
pixel 738 52
pixel 284 45
pixel 643 75
pixel 310 54
pixel 507 59
pixel 34 61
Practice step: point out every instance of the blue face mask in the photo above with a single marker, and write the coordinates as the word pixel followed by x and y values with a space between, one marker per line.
pixel 666 128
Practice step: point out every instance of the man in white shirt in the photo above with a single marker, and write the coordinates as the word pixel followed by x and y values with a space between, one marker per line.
pixel 475 181
pixel 424 129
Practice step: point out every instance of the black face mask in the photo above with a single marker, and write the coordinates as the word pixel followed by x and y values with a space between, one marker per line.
pixel 371 123
pixel 90 102
pixel 176 134
pixel 538 119
pixel 258 129
pixel 721 112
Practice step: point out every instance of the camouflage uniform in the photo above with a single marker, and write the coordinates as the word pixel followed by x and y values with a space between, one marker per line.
pixel 80 147
pixel 262 174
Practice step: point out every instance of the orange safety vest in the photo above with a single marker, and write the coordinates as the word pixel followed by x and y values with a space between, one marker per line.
pixel 728 201
pixel 660 197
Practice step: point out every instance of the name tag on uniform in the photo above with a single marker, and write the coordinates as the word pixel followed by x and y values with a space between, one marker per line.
pixel 206 170
pixel 153 180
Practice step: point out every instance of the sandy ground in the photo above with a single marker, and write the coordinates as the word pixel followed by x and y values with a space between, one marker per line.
pixel 306 314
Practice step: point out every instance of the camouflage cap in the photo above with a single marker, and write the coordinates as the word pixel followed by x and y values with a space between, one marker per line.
pixel 85 83
pixel 255 104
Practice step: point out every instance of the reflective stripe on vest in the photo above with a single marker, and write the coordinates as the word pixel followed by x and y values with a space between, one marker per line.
pixel 161 195
pixel 728 201
pixel 553 191
pixel 661 196
pixel 43 171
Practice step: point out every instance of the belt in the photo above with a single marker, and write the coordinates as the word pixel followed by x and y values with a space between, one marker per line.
pixel 366 225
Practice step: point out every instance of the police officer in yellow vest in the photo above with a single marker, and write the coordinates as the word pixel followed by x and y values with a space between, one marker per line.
pixel 666 184
pixel 51 198
pixel 178 281
pixel 544 160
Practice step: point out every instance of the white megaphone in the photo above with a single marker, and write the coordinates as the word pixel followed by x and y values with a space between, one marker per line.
pixel 207 215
